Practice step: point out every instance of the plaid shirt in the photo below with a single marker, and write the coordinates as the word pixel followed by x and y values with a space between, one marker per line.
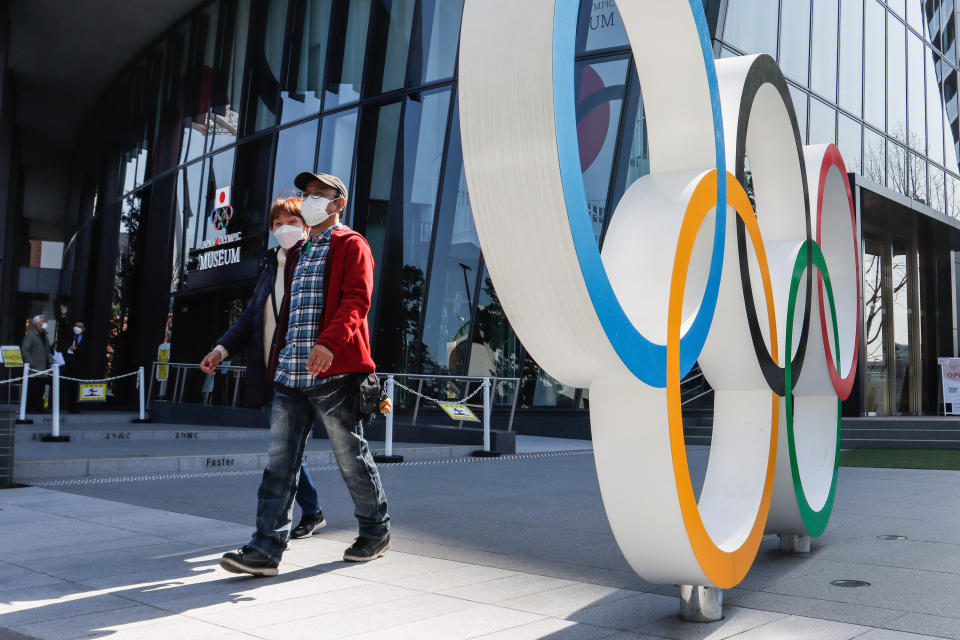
pixel 306 312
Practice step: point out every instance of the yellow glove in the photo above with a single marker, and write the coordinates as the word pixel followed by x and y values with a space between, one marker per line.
pixel 386 407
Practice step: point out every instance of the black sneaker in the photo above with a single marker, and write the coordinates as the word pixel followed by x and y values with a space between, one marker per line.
pixel 366 549
pixel 309 525
pixel 247 560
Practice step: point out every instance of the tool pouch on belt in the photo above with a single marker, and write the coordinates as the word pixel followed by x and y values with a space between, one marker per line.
pixel 371 393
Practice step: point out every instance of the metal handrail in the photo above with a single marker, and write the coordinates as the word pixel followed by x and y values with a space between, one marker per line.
pixel 179 379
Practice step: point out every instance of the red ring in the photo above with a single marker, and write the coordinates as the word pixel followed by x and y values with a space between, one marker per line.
pixel 843 386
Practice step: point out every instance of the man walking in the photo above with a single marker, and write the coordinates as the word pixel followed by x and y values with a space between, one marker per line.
pixel 77 354
pixel 36 353
pixel 322 352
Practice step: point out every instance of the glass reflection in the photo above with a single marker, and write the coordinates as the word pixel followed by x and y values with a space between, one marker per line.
pixel 295 153
pixel 918 178
pixel 916 98
pixel 224 120
pixel 795 39
pixel 874 71
pixel 394 28
pixel 600 89
pixel 851 56
pixel 127 273
pixel 495 350
pixel 936 192
pixel 873 329
pixel 751 26
pixel 823 54
pixel 823 128
pixel 902 372
pixel 896 80
pixel 874 158
pixel 347 49
pixel 848 140
pixel 800 107
pixel 600 26
pixel 335 155
pixel 435 53
pixel 268 27
pixel 934 111
pixel 898 176
pixel 303 80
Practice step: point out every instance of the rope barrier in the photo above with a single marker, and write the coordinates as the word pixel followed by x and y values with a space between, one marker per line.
pixel 33 375
pixel 440 402
pixel 125 375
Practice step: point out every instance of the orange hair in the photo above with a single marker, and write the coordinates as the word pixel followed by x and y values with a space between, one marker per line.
pixel 289 206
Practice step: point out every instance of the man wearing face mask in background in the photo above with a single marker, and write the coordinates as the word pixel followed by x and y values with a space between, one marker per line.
pixel 256 329
pixel 324 357
pixel 76 357
pixel 36 353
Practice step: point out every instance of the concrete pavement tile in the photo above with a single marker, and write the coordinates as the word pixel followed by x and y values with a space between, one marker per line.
pixel 104 542
pixel 250 614
pixel 887 634
pixel 565 601
pixel 447 579
pixel 735 621
pixel 46 610
pixel 39 596
pixel 553 629
pixel 628 613
pixel 930 625
pixel 814 608
pixel 507 588
pixel 12 583
pixel 357 620
pixel 470 623
pixel 800 628
pixel 99 624
pixel 393 566
pixel 907 554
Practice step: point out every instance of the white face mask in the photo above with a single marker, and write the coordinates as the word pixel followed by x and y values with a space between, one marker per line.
pixel 77 331
pixel 288 235
pixel 44 326
pixel 314 210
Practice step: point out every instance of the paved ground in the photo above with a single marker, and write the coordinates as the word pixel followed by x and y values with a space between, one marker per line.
pixel 515 548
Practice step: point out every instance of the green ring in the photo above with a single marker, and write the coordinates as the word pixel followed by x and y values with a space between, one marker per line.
pixel 815 521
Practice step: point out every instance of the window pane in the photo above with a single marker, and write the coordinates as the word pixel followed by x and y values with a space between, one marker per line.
pixel 751 26
pixel 392 22
pixel 800 106
pixel 897 172
pixel 823 70
pixel 600 89
pixel 873 329
pixel 120 354
pixel 456 258
pixel 901 332
pixel 436 56
pixel 916 98
pixel 950 133
pixel 347 49
pixel 918 178
pixel 249 194
pixel 381 129
pixel 915 15
pixel 953 196
pixel 226 104
pixel 934 111
pixel 848 140
pixel 795 39
pixel 188 195
pixel 898 7
pixel 335 157
pixel 896 80
pixel 539 389
pixel 219 173
pixel 303 83
pixel 600 26
pixel 295 153
pixel 268 27
pixel 199 117
pixel 935 190
pixel 851 55
pixel 874 87
pixel 823 127
pixel 874 158
pixel 424 129
pixel 495 350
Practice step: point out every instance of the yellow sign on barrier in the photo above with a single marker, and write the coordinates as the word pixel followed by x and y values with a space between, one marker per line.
pixel 459 412
pixel 11 356
pixel 163 355
pixel 96 392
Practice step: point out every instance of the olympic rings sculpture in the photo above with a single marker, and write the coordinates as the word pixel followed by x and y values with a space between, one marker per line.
pixel 690 272
pixel 221 216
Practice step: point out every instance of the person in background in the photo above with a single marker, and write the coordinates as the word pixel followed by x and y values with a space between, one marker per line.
pixel 256 330
pixel 76 357
pixel 36 353
pixel 322 357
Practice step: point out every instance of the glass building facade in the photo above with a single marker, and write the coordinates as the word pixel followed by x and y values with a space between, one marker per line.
pixel 244 94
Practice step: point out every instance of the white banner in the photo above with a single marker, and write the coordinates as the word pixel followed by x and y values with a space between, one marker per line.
pixel 950 373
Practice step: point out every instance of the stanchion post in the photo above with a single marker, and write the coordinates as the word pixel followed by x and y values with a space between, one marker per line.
pixel 55 409
pixel 141 386
pixel 23 395
pixel 486 451
pixel 388 429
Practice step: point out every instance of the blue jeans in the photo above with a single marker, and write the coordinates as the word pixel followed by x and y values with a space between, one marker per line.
pixel 307 496
pixel 334 403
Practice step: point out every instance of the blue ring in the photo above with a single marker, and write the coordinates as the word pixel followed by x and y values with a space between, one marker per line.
pixel 645 359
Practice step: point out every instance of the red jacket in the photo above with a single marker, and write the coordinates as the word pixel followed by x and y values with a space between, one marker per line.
pixel 347 290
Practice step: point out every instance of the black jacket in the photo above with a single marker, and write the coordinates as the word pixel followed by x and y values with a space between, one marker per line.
pixel 247 333
pixel 76 361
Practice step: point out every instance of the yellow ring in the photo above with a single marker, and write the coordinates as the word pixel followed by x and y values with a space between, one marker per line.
pixel 724 569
